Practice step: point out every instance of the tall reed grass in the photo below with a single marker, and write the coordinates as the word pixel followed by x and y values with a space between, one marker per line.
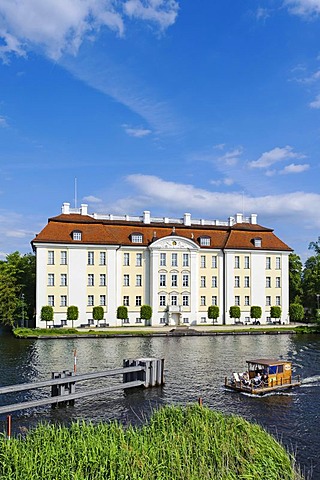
pixel 178 443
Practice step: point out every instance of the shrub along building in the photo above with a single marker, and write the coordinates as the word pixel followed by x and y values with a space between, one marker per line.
pixel 179 267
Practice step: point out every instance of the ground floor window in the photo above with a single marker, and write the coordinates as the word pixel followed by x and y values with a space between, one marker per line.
pixel 203 320
pixel 162 320
pixel 126 320
pixel 186 320
pixel 138 320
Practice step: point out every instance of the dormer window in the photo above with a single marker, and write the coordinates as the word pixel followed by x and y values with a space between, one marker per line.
pixel 257 242
pixel 76 235
pixel 136 238
pixel 205 241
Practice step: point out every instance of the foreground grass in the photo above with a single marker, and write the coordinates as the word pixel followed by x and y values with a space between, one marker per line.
pixel 178 443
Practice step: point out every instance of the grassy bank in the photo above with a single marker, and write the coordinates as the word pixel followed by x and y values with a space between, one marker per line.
pixel 185 443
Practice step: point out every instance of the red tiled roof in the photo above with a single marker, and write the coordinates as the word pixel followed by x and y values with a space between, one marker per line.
pixel 110 232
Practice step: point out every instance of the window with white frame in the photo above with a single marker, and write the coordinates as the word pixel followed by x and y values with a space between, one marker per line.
pixel 237 261
pixel 50 257
pixel 268 282
pixel 136 238
pixel 247 281
pixel 126 320
pixel 278 263
pixel 126 280
pixel 63 279
pixel 278 300
pixel 90 279
pixel 51 300
pixel 246 261
pixel 162 320
pixel 174 259
pixel 203 261
pixel 162 300
pixel 203 300
pixel 162 280
pixel 174 300
pixel 126 259
pixel 237 300
pixel 214 300
pixel 185 320
pixel 163 259
pixel 185 300
pixel 138 280
pixel 63 300
pixel 237 281
pixel 90 300
pixel 205 241
pixel 214 261
pixel 102 258
pixel 278 282
pixel 138 259
pixel 90 258
pixel 214 281
pixel 268 300
pixel 247 300
pixel 185 259
pixel 185 280
pixel 103 300
pixel 268 263
pixel 138 301
pixel 257 242
pixel 203 319
pixel 103 279
pixel 63 257
pixel 76 235
pixel 174 280
pixel 202 281
pixel 126 300
pixel 51 279
pixel 138 320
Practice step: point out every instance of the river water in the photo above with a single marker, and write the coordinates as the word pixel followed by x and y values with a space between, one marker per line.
pixel 194 367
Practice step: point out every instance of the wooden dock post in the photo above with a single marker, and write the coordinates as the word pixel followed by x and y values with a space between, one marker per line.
pixel 63 389
pixel 152 373
pixel 8 427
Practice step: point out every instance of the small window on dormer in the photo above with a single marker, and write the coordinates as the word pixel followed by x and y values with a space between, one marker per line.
pixel 205 241
pixel 76 235
pixel 257 242
pixel 136 237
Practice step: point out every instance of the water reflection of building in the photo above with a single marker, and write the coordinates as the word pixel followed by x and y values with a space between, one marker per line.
pixel 177 266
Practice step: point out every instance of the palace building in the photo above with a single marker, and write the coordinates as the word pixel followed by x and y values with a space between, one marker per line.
pixel 178 266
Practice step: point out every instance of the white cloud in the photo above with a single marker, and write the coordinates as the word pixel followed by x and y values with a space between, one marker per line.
pixel 3 122
pixel 92 199
pixel 304 8
pixel 262 13
pixel 275 155
pixel 162 12
pixel 294 168
pixel 226 181
pixel 231 158
pixel 137 132
pixel 315 103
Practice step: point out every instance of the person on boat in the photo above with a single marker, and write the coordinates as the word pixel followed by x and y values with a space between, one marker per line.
pixel 245 379
pixel 257 380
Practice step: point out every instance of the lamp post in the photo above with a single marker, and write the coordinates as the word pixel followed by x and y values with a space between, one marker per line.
pixel 22 298
pixel 318 312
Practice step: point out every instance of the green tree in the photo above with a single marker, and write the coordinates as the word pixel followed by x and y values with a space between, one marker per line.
pixel 146 313
pixel 122 312
pixel 10 302
pixel 213 312
pixel 275 312
pixel 295 277
pixel 296 312
pixel 98 313
pixel 46 314
pixel 256 312
pixel 311 282
pixel 235 312
pixel 72 313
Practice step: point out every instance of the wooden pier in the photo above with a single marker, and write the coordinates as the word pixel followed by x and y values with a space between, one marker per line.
pixel 141 372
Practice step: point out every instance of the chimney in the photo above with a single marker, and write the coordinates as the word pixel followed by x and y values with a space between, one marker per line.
pixel 253 218
pixel 231 221
pixel 65 208
pixel 187 219
pixel 146 216
pixel 84 209
pixel 239 217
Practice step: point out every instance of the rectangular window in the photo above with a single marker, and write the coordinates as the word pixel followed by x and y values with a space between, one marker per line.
pixel 247 282
pixel 63 300
pixel 162 300
pixel 136 238
pixel 162 280
pixel 185 259
pixel 203 320
pixel 246 262
pixel 103 279
pixel 247 300
pixel 237 281
pixel 163 259
pixel 185 320
pixel 90 258
pixel 138 259
pixel 214 262
pixel 51 279
pixel 185 280
pixel 90 280
pixel 205 242
pixel 278 300
pixel 138 280
pixel 126 320
pixel 237 300
pixel 278 263
pixel 174 300
pixel 185 300
pixel 102 258
pixel 126 280
pixel 162 320
pixel 202 281
pixel 202 300
pixel 278 282
pixel 63 279
pixel 236 261
pixel 268 263
pixel 268 282
pixel 126 300
pixel 103 300
pixel 50 257
pixel 214 281
pixel 268 300
pixel 126 259
pixel 90 300
pixel 63 257
pixel 76 235
pixel 203 261
pixel 138 301
pixel 174 280
pixel 138 320
pixel 51 300
pixel 174 260
pixel 214 300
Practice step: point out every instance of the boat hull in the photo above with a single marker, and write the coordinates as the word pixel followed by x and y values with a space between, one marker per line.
pixel 261 390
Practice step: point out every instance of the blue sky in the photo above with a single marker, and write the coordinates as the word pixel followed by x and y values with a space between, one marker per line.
pixel 210 107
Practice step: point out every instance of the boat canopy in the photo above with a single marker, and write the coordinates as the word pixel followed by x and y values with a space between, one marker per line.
pixel 267 362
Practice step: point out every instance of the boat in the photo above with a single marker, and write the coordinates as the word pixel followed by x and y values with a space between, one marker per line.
pixel 264 376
